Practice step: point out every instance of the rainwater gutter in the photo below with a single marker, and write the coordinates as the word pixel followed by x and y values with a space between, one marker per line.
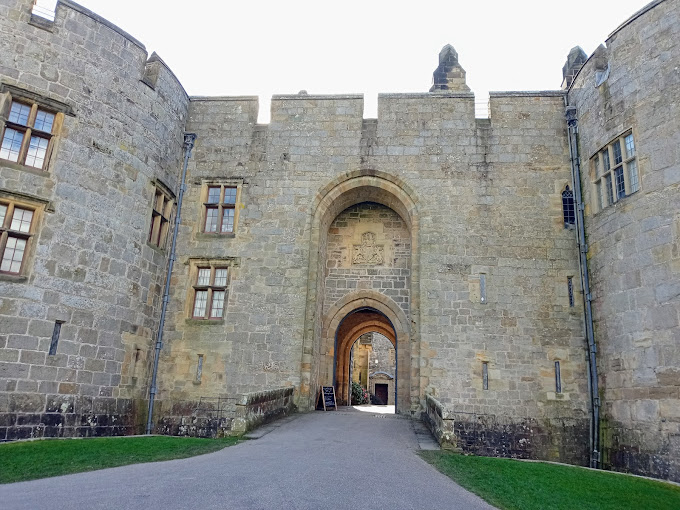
pixel 189 139
pixel 572 134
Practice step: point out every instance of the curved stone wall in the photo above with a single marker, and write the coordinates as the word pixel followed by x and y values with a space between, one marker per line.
pixel 633 86
pixel 90 266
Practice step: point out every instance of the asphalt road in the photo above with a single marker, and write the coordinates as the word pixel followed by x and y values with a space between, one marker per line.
pixel 322 460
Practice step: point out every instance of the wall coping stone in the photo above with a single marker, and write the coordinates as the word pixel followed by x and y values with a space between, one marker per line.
pixel 529 93
pixel 422 95
pixel 223 98
pixel 82 10
pixel 635 16
pixel 304 97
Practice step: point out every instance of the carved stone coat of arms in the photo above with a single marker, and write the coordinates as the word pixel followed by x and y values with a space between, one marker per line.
pixel 368 252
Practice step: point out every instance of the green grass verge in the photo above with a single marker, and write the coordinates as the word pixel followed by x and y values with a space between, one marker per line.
pixel 28 460
pixel 515 485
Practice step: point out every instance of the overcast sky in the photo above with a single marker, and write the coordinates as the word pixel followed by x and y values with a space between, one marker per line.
pixel 262 47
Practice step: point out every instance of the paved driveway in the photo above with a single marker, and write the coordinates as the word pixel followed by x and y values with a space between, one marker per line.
pixel 346 459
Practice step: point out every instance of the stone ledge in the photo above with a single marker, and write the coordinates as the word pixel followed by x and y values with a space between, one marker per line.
pixel 223 98
pixel 426 95
pixel 529 93
pixel 329 97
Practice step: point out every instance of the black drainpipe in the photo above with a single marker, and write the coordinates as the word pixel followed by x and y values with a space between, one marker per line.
pixel 189 139
pixel 572 133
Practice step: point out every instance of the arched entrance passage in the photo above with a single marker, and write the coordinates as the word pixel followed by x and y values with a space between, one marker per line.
pixel 363 312
pixel 358 322
pixel 318 351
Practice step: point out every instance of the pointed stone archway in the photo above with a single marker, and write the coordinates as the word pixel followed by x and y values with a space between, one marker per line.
pixel 318 352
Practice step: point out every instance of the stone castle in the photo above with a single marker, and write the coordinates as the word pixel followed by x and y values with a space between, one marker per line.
pixel 525 267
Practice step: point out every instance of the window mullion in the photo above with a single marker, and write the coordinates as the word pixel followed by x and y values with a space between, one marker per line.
pixel 208 304
pixel 3 243
pixel 24 145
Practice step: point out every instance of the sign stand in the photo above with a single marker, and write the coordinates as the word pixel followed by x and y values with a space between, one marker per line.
pixel 327 398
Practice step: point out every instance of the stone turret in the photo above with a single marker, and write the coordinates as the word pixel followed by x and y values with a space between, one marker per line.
pixel 449 75
pixel 575 60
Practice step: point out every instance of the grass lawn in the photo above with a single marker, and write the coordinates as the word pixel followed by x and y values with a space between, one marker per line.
pixel 28 460
pixel 515 485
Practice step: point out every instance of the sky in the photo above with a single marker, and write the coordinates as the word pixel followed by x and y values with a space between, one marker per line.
pixel 263 47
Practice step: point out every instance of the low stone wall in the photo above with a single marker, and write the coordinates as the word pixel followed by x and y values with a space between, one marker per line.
pixel 205 417
pixel 439 423
pixel 30 416
pixel 555 439
pixel 260 407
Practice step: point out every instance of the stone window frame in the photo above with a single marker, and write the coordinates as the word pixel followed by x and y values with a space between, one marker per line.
pixel 220 206
pixel 614 171
pixel 10 202
pixel 568 208
pixel 162 212
pixel 210 288
pixel 36 104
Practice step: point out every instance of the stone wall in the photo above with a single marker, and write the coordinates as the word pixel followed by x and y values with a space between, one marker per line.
pixel 369 246
pixel 634 245
pixel 89 265
pixel 554 439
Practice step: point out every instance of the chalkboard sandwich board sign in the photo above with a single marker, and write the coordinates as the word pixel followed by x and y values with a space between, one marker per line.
pixel 327 398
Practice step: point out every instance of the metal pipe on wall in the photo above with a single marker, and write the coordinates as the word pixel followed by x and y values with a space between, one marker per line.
pixel 572 134
pixel 189 139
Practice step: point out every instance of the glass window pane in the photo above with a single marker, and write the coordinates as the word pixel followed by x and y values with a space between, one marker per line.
pixel 3 213
pixel 203 276
pixel 633 176
pixel 211 219
pixel 214 195
pixel 217 304
pixel 14 254
pixel 200 302
pixel 620 185
pixel 229 195
pixel 19 113
pixel 36 151
pixel 608 189
pixel 605 160
pixel 11 144
pixel 44 121
pixel 228 220
pixel 220 278
pixel 617 152
pixel 630 146
pixel 21 220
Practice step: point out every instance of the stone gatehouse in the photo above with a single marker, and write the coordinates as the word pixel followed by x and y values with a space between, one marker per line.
pixel 525 267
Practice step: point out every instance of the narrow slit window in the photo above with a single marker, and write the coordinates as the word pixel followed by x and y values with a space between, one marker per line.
pixel 55 338
pixel 558 378
pixel 199 368
pixel 482 288
pixel 485 375
pixel 570 290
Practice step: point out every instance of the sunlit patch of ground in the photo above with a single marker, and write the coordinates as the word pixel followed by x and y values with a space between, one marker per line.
pixel 370 408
